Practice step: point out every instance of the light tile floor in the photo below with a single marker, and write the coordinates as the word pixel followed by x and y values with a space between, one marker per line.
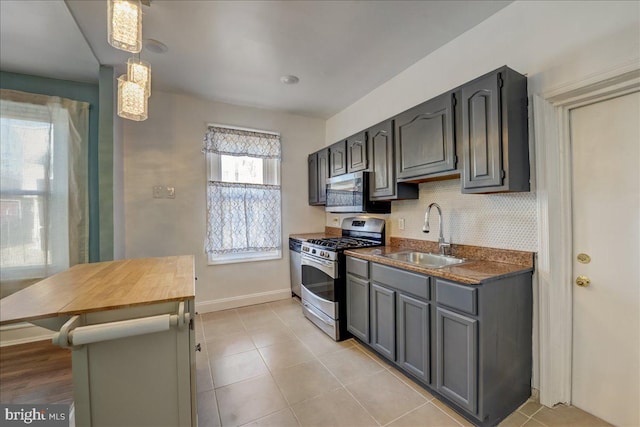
pixel 266 365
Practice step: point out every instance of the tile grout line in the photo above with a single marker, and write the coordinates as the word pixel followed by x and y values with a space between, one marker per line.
pixel 442 410
pixel 344 386
pixel 406 413
pixel 531 417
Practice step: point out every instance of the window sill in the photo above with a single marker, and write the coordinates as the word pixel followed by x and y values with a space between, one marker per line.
pixel 238 258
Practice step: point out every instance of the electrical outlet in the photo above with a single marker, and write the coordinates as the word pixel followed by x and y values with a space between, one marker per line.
pixel 401 223
pixel 171 192
pixel 158 191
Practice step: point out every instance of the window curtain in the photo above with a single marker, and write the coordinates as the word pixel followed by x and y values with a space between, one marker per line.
pixel 236 142
pixel 44 188
pixel 242 218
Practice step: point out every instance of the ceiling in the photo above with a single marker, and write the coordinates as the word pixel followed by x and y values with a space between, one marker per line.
pixel 236 51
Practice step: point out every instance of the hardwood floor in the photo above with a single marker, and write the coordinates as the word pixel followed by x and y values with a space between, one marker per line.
pixel 37 372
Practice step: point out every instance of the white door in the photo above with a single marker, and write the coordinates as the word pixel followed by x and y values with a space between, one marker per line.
pixel 605 140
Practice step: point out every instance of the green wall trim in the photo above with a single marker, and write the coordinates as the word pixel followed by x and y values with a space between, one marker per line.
pixel 87 92
pixel 105 162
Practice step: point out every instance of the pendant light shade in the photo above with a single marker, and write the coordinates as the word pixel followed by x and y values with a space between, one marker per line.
pixel 125 25
pixel 139 71
pixel 132 100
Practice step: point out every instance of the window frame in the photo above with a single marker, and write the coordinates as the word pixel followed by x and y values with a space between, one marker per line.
pixel 272 175
pixel 28 271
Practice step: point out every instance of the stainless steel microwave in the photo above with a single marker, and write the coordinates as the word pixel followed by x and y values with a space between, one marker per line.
pixel 350 193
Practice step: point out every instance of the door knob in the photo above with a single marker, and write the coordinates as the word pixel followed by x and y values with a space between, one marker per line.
pixel 583 281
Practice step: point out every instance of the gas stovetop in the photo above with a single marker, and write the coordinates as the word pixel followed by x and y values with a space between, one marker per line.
pixel 357 232
pixel 341 243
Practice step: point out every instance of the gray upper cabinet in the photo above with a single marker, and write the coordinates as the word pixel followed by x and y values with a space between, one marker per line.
pixel 318 168
pixel 323 174
pixel 357 159
pixel 312 167
pixel 494 133
pixel 425 139
pixel 384 186
pixel 338 158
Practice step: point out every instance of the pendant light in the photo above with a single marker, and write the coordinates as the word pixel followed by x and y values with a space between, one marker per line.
pixel 125 25
pixel 132 99
pixel 139 71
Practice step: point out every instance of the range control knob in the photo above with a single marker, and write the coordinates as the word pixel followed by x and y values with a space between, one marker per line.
pixel 313 251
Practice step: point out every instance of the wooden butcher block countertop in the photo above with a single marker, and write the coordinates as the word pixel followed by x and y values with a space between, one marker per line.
pixel 102 286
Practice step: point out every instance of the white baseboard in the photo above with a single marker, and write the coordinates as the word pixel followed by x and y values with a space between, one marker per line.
pixel 22 333
pixel 241 300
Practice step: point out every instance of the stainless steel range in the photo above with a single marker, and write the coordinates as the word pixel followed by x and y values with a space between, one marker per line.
pixel 323 273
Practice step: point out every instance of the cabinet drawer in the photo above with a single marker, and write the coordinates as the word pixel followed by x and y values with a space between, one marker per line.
pixel 359 267
pixel 411 283
pixel 460 297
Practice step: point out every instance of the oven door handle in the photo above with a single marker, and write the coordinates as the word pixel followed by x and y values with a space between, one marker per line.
pixel 327 267
pixel 310 311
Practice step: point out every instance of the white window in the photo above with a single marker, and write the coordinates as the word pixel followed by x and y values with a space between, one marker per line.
pixel 243 195
pixel 42 209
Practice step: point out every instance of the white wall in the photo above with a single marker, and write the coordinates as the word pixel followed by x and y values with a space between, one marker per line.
pixel 553 43
pixel 165 150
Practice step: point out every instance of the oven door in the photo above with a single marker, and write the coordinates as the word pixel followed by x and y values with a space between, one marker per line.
pixel 319 279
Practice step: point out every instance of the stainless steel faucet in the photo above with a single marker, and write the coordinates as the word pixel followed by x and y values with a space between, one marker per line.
pixel 443 247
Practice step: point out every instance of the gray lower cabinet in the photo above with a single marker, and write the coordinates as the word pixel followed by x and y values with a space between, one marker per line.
pixel 412 331
pixel 457 358
pixel 383 319
pixel 468 344
pixel 358 307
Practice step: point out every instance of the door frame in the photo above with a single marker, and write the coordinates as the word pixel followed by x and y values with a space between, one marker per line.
pixel 553 185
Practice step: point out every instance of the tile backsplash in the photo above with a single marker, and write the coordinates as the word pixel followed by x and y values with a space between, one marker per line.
pixel 506 221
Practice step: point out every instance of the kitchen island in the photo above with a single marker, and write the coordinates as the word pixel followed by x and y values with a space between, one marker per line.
pixel 129 325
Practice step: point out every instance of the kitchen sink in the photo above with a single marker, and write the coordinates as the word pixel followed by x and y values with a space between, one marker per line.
pixel 425 259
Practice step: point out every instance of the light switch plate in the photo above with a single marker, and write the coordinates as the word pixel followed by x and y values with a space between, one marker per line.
pixel 158 191
pixel 171 192
pixel 401 223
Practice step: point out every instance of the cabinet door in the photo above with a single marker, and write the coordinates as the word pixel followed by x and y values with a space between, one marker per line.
pixel 338 158
pixel 413 336
pixel 382 162
pixel 357 152
pixel 323 174
pixel 457 358
pixel 313 178
pixel 482 133
pixel 358 307
pixel 383 321
pixel 425 138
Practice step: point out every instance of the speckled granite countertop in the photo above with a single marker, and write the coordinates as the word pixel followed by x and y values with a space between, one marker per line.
pixel 473 272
